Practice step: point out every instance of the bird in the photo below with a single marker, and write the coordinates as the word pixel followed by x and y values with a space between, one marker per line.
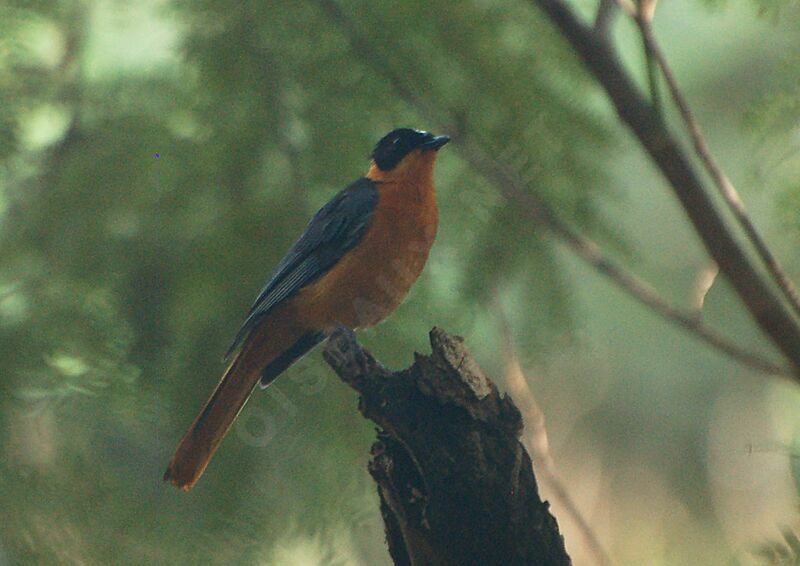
pixel 352 266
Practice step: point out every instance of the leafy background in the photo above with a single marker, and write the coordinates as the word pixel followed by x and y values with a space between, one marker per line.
pixel 156 160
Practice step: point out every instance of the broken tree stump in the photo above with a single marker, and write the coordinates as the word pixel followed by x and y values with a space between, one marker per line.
pixel 456 486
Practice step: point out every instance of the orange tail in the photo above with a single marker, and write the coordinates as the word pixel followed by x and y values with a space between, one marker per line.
pixel 209 428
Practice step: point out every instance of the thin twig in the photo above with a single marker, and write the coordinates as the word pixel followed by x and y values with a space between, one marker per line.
pixel 536 440
pixel 606 11
pixel 513 189
pixel 645 12
pixel 764 305
pixel 721 180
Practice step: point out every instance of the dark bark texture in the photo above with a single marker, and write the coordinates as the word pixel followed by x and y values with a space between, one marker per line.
pixel 456 486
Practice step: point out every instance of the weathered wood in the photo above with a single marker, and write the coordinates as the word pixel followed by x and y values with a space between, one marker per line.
pixel 455 484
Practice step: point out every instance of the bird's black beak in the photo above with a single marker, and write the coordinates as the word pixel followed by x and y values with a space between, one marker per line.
pixel 435 142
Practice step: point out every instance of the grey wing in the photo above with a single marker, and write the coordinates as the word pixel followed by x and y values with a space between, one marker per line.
pixel 334 230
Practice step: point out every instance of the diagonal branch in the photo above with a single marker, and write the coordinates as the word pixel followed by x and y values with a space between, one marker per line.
pixel 765 307
pixel 514 190
pixel 723 183
pixel 512 187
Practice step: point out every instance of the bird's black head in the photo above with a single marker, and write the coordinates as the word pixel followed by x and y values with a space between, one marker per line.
pixel 398 143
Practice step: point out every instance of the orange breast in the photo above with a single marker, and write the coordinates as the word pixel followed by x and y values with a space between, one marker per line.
pixel 371 280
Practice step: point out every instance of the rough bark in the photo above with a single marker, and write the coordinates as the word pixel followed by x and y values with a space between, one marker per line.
pixel 455 484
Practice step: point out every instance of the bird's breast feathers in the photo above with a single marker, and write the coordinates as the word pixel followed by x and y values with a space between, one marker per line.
pixel 374 278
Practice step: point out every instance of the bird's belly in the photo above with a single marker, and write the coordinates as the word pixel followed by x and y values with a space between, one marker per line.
pixel 368 300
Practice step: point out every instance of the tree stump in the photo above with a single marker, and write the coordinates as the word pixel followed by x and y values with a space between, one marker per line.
pixel 456 486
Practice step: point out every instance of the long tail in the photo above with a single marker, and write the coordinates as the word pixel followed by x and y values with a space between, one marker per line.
pixel 209 428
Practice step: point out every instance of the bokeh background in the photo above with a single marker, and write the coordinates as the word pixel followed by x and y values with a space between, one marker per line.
pixel 158 157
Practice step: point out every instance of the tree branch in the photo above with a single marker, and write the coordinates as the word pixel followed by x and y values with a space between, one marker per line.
pixel 764 306
pixel 512 187
pixel 509 184
pixel 721 180
pixel 455 484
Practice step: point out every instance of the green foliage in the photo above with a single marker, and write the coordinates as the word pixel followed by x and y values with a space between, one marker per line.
pixel 779 109
pixel 774 118
pixel 142 207
pixel 795 462
pixel 770 10
pixel 137 231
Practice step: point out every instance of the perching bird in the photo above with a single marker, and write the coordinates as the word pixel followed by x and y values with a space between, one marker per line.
pixel 352 266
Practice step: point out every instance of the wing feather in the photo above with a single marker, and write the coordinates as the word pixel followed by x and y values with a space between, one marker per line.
pixel 335 229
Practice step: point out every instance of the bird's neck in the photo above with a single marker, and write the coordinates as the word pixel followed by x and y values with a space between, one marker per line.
pixel 412 180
